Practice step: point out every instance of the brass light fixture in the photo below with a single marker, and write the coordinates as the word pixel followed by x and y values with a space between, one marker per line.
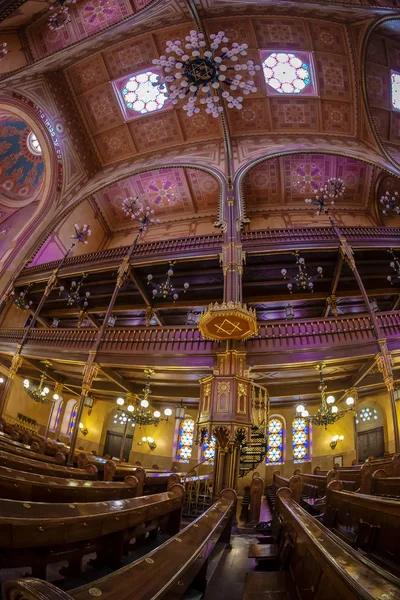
pixel 335 440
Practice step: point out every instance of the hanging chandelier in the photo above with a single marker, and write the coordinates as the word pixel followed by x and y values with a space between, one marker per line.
pixel 73 295
pixel 60 15
pixel 39 393
pixel 198 73
pixel 302 280
pixel 166 288
pixel 143 414
pixel 327 413
pixel 390 204
pixel 395 264
pixel 136 210
pixel 21 301
pixel 326 196
pixel 3 50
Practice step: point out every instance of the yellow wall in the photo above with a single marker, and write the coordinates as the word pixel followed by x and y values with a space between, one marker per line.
pixel 19 402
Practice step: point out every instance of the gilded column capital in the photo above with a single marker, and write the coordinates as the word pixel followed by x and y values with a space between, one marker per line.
pixel 385 362
pixel 123 271
pixel 15 364
pixel 347 253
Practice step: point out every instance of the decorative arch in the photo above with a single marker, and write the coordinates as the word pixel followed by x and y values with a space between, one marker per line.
pixel 68 422
pixel 276 447
pixel 16 241
pixel 185 440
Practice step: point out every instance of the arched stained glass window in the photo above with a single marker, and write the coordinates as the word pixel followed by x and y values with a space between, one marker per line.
pixel 275 442
pixel 300 440
pixel 209 450
pixel 72 420
pixel 56 415
pixel 185 443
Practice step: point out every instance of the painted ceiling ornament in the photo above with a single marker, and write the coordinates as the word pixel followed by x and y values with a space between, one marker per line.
pixel 390 204
pixel 326 196
pixel 60 15
pixel 201 74
pixel 3 49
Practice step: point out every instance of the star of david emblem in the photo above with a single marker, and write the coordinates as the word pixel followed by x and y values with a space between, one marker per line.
pixel 200 70
pixel 228 327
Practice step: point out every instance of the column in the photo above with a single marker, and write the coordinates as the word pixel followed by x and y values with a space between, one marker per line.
pixel 15 364
pixel 384 362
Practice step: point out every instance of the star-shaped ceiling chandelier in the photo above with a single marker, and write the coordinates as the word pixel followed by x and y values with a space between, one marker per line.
pixel 206 75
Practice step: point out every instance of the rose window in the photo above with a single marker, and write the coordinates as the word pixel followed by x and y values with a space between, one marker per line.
pixel 145 92
pixel 286 73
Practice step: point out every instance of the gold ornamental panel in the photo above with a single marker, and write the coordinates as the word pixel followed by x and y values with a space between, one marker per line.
pixel 228 321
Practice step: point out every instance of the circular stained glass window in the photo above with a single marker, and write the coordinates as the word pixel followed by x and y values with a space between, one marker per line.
pixel 33 144
pixel 145 92
pixel 286 73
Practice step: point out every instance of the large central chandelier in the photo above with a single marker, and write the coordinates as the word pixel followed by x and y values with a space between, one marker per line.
pixel 327 413
pixel 142 414
pixel 199 73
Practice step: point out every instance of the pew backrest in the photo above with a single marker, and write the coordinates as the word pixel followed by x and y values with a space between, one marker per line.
pixel 34 466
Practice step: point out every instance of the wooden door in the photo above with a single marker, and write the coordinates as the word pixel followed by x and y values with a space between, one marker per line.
pixel 370 443
pixel 113 444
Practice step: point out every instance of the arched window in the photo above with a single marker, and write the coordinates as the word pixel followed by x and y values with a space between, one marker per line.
pixel 185 442
pixel 275 454
pixel 56 415
pixel 69 416
pixel 209 450
pixel 300 440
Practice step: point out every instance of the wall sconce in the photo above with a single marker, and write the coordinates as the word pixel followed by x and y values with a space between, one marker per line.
pixel 150 441
pixel 55 323
pixel 335 440
pixel 374 305
pixel 89 401
pixel 180 411
pixel 84 430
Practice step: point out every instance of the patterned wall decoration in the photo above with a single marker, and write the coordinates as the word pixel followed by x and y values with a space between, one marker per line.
pixel 172 193
pixel 333 111
pixel 21 170
pixel 289 180
pixel 383 56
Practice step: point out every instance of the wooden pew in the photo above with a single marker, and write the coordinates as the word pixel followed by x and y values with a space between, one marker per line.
pixel 166 572
pixel 318 566
pixel 384 485
pixel 19 485
pixel 26 452
pixel 320 481
pixel 34 466
pixel 37 442
pixel 36 534
pixel 368 523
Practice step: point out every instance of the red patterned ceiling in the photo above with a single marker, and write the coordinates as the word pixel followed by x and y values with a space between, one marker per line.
pixel 173 194
pixel 280 182
pixel 333 111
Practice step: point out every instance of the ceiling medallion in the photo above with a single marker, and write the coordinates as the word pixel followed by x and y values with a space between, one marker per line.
pixel 228 321
pixel 202 75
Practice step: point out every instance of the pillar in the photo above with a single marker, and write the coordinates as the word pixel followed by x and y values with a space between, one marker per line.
pixel 15 364
pixel 384 362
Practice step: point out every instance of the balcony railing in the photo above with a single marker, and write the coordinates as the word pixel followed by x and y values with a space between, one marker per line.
pixel 211 244
pixel 275 336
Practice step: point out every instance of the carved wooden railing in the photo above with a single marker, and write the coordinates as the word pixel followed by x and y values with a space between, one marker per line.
pixel 273 336
pixel 198 245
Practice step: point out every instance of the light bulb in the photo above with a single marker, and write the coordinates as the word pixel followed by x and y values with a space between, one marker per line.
pixel 131 408
pixel 56 396
pixel 144 403
pixel 167 412
pixel 150 440
pixel 350 401
pixel 305 414
pixel 334 410
pixel 26 383
pixel 144 439
pixel 300 408
pixel 1 379
pixel 120 401
pixel 341 438
pixel 46 390
pixel 157 414
pixel 80 425
pixel 330 399
pixel 335 437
